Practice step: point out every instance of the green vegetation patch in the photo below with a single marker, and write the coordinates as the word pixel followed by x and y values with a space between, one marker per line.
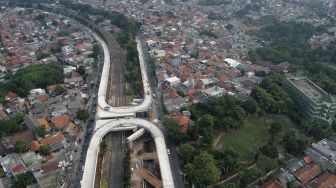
pixel 34 76
pixel 250 137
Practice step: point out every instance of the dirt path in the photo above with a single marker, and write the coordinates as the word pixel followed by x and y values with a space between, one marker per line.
pixel 216 143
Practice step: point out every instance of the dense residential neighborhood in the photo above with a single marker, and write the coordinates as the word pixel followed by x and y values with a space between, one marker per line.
pixel 51 118
pixel 228 93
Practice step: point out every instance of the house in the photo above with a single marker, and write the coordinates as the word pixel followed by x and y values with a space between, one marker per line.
pixel 11 161
pixel 295 164
pixel 272 184
pixel 324 180
pixel 10 96
pixel 43 122
pixel 59 110
pixel 61 121
pixel 31 123
pixel 205 83
pixel 34 145
pixel 214 91
pixel 50 166
pixel 26 136
pixel 55 141
pixel 231 62
pixel 3 115
pixel 74 102
pixel 173 81
pixel 18 169
pixel 284 177
pixel 32 160
pixel 307 173
pixel 51 88
pixel 183 121
pixel 42 97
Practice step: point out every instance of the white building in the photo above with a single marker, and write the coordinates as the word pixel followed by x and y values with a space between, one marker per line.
pixel 173 81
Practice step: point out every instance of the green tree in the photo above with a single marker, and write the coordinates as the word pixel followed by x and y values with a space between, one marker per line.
pixel 270 150
pixel 33 76
pixel 229 27
pixel 103 145
pixel 127 170
pixel 275 128
pixel 41 131
pixel 248 176
pixel 203 171
pixel 45 150
pixel 60 90
pixel 23 180
pixel 82 114
pixel 250 106
pixel 294 144
pixel 173 131
pixel 206 122
pixel 266 164
pixel 21 146
pixel 227 160
pixel 186 153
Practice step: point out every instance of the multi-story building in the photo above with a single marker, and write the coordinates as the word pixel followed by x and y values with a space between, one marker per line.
pixel 314 102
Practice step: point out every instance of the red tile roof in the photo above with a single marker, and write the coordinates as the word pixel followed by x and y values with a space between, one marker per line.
pixel 11 95
pixel 272 184
pixel 26 136
pixel 183 122
pixel 52 139
pixel 79 46
pixel 50 166
pixel 325 180
pixel 19 168
pixel 42 97
pixel 43 122
pixel 53 87
pixel 35 145
pixel 307 159
pixel 307 173
pixel 61 121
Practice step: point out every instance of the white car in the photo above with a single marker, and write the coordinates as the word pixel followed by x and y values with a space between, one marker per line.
pixel 168 152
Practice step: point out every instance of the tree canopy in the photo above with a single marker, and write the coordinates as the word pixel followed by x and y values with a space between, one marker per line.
pixel 21 146
pixel 45 150
pixel 173 131
pixel 203 171
pixel 24 179
pixel 34 76
pixel 82 114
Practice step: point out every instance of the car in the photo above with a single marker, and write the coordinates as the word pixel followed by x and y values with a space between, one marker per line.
pixel 106 108
pixel 94 96
pixel 83 168
pixel 168 151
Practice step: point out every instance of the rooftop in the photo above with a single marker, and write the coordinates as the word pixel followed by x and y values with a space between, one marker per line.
pixel 308 88
pixel 307 173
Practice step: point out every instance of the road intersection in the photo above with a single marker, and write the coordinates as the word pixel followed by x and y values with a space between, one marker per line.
pixel 106 122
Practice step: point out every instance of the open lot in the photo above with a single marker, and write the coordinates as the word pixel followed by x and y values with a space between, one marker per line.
pixel 251 136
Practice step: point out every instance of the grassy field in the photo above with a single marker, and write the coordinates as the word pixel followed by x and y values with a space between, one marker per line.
pixel 250 137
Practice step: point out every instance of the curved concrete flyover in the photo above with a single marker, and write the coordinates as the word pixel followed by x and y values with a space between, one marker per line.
pixel 107 111
pixel 109 125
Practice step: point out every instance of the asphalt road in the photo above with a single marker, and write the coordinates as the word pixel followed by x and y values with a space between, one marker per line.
pixel 173 158
pixel 116 165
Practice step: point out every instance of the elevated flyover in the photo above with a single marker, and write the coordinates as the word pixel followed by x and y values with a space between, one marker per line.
pixel 104 109
pixel 110 125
